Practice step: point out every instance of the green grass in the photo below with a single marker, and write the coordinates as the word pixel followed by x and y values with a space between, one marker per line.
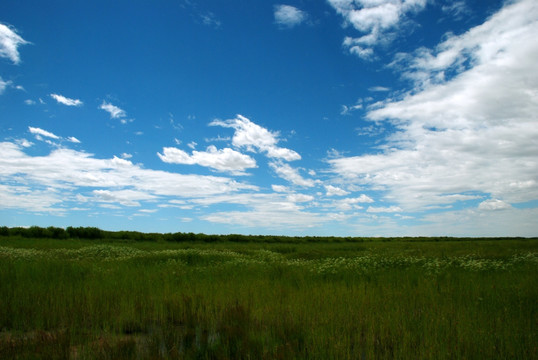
pixel 400 299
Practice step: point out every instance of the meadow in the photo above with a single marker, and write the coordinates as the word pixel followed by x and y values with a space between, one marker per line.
pixel 110 298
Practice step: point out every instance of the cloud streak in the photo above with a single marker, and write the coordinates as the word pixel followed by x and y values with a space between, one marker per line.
pixel 66 101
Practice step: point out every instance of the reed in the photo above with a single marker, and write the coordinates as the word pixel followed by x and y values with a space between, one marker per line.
pixel 371 300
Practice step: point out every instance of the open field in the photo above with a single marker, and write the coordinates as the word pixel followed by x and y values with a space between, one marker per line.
pixel 339 299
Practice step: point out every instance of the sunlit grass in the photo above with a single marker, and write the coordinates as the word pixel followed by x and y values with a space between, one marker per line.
pixel 403 300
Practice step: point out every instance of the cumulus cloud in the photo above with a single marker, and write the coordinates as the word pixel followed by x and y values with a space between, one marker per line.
pixel 66 101
pixel 222 160
pixel 256 138
pixel 9 43
pixel 114 111
pixel 377 21
pixel 286 172
pixel 470 133
pixel 288 16
pixel 335 191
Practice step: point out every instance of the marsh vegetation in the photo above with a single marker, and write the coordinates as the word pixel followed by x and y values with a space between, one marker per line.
pixel 328 299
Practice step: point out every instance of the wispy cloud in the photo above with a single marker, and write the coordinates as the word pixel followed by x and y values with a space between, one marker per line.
pixel 210 19
pixel 114 111
pixel 377 21
pixel 471 133
pixel 3 85
pixel 286 172
pixel 457 9
pixel 41 132
pixel 10 42
pixel 288 16
pixel 348 109
pixel 379 89
pixel 66 101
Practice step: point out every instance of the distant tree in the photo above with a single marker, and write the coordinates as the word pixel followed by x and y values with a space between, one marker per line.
pixel 57 233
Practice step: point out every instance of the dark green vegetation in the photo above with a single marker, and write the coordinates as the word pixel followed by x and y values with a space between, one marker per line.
pixel 112 296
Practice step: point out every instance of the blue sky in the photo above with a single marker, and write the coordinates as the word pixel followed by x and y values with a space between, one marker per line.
pixel 328 117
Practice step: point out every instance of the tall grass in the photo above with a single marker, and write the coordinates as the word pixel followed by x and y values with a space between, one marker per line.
pixel 375 300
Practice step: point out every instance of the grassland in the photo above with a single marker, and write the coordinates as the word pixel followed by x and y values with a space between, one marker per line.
pixel 400 299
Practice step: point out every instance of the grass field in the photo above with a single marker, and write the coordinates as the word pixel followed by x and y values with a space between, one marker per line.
pixel 401 299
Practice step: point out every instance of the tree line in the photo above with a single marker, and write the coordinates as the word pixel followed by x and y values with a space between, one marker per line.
pixel 94 233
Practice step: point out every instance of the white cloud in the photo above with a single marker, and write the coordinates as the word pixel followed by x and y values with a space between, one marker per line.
pixel 24 143
pixel 73 139
pixel 24 197
pixel 210 19
pixel 38 131
pixel 494 204
pixel 351 203
pixel 335 191
pixel 3 85
pixel 347 110
pixel 286 172
pixel 270 211
pixel 473 133
pixel 114 111
pixel 376 20
pixel 288 16
pixel 472 222
pixel 75 173
pixel 299 198
pixel 124 197
pixel 27 102
pixel 378 89
pixel 9 43
pixel 457 9
pixel 66 101
pixel 148 211
pixel 222 160
pixel 390 209
pixel 252 136
pixel 279 188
